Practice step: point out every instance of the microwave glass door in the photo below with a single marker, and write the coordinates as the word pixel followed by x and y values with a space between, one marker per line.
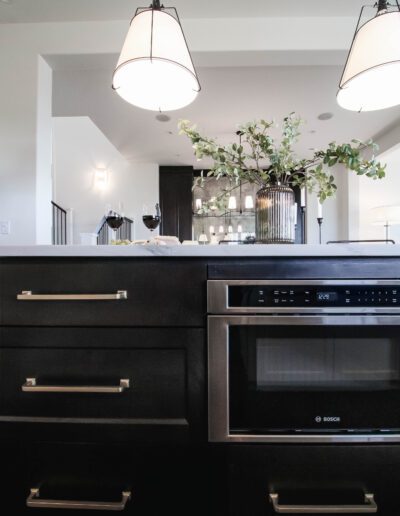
pixel 315 379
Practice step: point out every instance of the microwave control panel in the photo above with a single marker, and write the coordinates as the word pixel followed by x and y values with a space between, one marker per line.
pixel 313 296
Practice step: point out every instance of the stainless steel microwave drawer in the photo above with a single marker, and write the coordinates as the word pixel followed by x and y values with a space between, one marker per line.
pixel 102 292
pixel 137 378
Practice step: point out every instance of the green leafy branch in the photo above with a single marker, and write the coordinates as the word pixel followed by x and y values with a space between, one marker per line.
pixel 258 159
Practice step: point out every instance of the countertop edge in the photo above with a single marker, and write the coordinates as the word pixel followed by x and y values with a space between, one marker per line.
pixel 225 251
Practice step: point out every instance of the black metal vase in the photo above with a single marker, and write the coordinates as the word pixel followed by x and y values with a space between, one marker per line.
pixel 275 216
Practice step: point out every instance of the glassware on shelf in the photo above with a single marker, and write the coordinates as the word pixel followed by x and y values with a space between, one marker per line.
pixel 203 238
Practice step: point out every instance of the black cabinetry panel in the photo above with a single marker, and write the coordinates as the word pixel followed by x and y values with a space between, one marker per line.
pixel 176 201
pixel 162 480
pixel 165 369
pixel 305 268
pixel 335 474
pixel 160 292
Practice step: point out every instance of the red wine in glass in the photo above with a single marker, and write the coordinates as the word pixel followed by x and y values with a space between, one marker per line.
pixel 114 221
pixel 152 221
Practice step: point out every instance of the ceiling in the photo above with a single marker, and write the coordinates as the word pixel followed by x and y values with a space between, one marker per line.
pixel 229 96
pixel 237 86
pixel 18 11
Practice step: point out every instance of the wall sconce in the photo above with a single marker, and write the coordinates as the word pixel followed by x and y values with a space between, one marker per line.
pixel 101 179
pixel 248 202
pixel 198 204
pixel 232 203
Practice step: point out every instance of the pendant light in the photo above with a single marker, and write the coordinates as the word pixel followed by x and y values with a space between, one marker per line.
pixel 371 77
pixel 155 70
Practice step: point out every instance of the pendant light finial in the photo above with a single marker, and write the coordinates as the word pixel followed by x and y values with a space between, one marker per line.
pixel 155 70
pixel 382 5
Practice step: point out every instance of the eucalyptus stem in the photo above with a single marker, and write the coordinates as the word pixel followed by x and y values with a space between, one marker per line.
pixel 268 161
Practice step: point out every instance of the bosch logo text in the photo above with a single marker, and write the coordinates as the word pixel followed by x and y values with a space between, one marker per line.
pixel 327 419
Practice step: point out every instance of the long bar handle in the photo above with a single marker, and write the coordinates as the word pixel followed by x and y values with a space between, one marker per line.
pixel 28 295
pixel 369 507
pixel 31 386
pixel 33 500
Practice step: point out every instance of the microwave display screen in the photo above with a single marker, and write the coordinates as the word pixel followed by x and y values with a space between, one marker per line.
pixel 327 297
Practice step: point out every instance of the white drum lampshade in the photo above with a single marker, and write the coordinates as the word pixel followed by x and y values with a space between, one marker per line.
pixel 386 216
pixel 155 70
pixel 371 78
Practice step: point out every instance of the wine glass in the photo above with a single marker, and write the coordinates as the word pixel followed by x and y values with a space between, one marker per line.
pixel 113 218
pixel 151 216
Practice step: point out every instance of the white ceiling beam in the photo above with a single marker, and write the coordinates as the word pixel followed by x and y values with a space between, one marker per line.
pixel 203 35
pixel 277 34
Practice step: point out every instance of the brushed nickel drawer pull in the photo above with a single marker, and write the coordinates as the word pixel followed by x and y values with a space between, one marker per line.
pixel 33 500
pixel 369 507
pixel 27 295
pixel 31 386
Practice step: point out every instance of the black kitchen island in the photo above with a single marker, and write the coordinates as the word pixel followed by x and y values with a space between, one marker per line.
pixel 104 386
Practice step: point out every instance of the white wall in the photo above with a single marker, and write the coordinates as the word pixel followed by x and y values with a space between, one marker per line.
pixel 44 155
pixel 23 144
pixel 378 193
pixel 78 148
pixel 334 211
pixel 21 45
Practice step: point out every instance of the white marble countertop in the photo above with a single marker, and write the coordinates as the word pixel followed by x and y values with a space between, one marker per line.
pixel 219 251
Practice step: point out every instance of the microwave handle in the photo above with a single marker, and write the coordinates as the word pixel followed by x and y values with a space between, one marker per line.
pixel 369 507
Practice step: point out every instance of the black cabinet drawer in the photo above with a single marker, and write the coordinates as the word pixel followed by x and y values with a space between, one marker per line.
pixel 130 378
pixel 307 475
pixel 159 292
pixel 160 480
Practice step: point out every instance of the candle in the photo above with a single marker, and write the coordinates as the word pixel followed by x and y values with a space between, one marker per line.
pixel 319 210
pixel 198 204
pixel 295 213
pixel 302 197
pixel 212 229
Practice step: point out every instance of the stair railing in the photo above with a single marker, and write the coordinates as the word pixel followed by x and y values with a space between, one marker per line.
pixel 59 225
